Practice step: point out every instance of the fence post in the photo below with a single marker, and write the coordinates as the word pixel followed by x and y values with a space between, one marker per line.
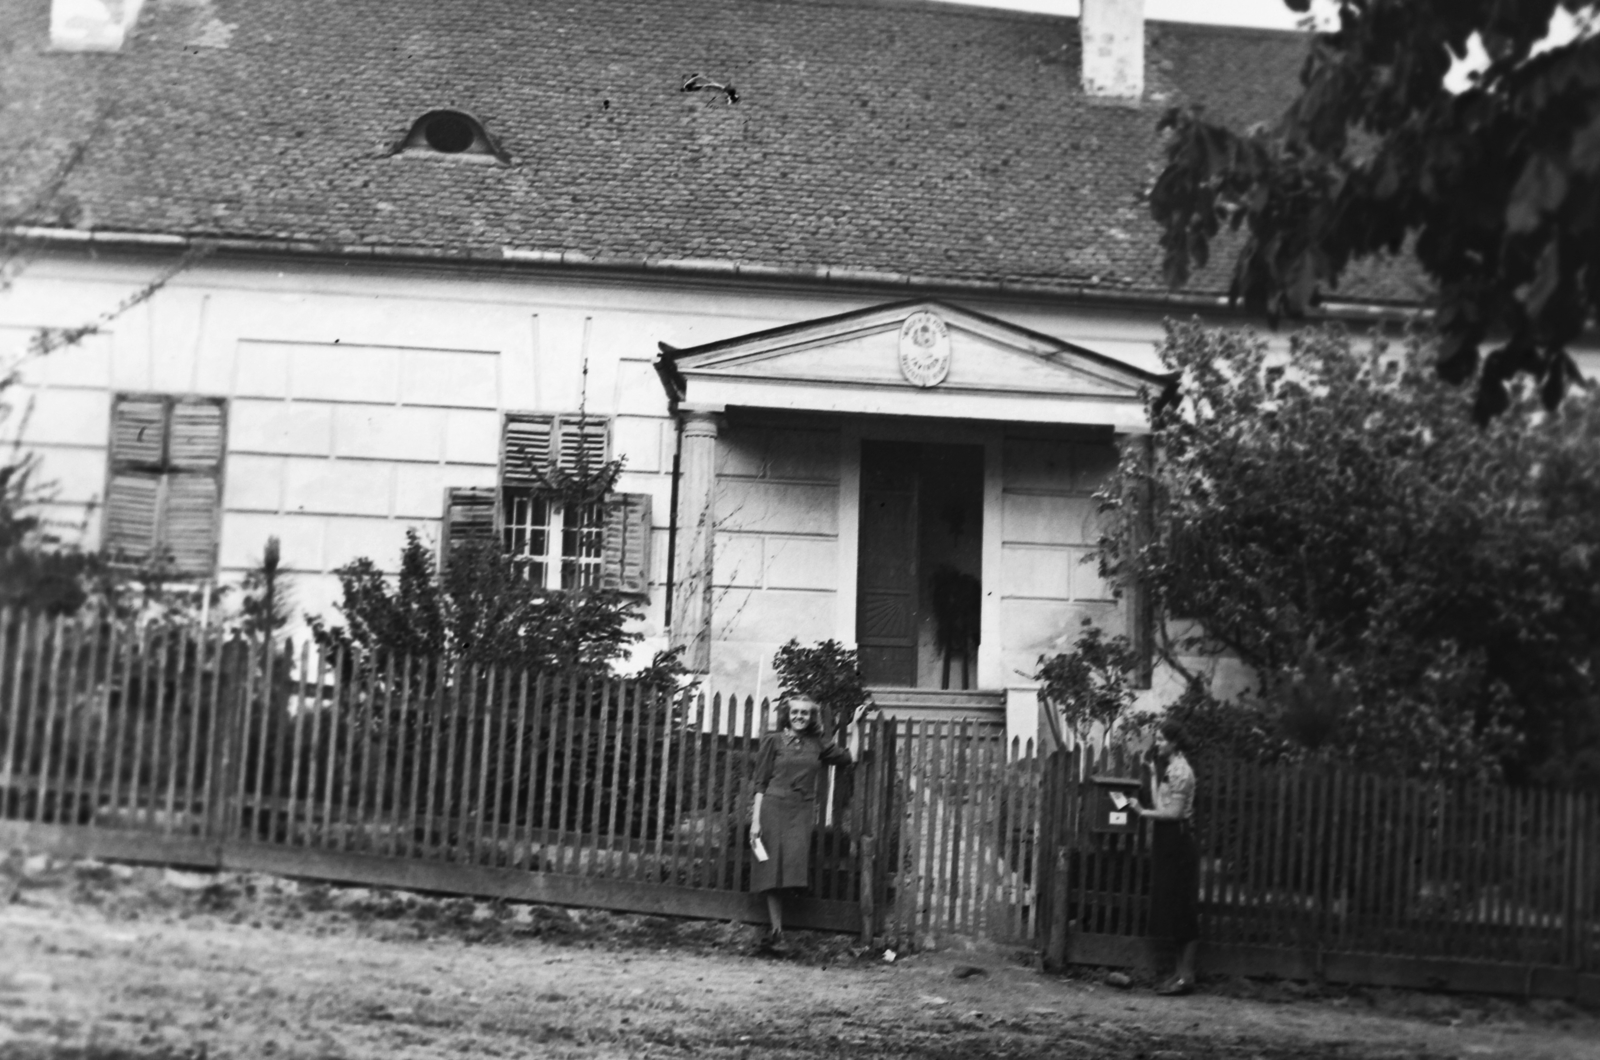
pixel 1055 955
pixel 223 779
pixel 868 874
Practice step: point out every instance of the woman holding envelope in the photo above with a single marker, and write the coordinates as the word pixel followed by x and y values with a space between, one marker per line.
pixel 1174 858
pixel 783 809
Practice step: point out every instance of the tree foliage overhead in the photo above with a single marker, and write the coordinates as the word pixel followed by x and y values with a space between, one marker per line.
pixel 1494 192
pixel 1412 591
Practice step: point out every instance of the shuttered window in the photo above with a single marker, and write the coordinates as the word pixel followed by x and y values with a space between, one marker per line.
pixel 163 495
pixel 534 444
pixel 557 545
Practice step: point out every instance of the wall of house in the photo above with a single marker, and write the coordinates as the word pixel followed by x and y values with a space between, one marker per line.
pixel 1049 582
pixel 776 568
pixel 358 394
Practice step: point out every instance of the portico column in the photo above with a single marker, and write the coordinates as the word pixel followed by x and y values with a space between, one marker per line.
pixel 691 604
pixel 1140 612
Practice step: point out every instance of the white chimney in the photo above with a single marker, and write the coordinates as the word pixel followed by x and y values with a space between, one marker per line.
pixel 91 25
pixel 1113 49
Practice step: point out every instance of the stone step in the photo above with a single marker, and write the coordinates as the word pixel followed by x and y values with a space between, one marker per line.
pixel 926 704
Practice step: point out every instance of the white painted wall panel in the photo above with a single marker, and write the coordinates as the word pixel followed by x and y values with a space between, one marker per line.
pixel 640 441
pixel 288 427
pixel 261 369
pixel 85 364
pixel 71 474
pixel 1049 519
pixel 739 560
pixel 637 391
pixel 778 507
pixel 770 617
pixel 254 483
pixel 1035 572
pixel 472 436
pixel 49 416
pixel 388 432
pixel 450 377
pixel 801 562
pixel 333 487
pixel 343 372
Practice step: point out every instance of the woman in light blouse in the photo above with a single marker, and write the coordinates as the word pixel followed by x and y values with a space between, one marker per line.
pixel 1174 858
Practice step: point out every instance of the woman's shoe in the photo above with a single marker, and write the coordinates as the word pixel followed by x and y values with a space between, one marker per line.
pixel 1176 988
pixel 776 944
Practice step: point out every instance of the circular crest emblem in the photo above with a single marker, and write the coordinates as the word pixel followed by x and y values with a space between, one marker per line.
pixel 924 349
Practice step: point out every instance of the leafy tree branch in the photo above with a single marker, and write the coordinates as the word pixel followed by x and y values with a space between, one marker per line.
pixel 1493 192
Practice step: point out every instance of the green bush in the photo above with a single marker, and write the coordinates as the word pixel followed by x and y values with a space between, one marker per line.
pixel 828 673
pixel 1414 593
pixel 481 610
pixel 1089 685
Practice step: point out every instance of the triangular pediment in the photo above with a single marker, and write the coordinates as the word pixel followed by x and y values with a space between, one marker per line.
pixel 964 353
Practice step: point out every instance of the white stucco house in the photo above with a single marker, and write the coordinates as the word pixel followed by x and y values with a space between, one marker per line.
pixel 862 291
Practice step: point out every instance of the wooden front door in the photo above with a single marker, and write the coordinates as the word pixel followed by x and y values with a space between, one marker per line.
pixel 886 583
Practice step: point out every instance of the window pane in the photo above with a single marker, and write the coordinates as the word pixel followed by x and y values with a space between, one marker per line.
pixel 528 533
pixel 582 545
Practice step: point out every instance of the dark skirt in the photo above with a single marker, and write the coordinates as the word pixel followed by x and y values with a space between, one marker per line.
pixel 786 833
pixel 1174 882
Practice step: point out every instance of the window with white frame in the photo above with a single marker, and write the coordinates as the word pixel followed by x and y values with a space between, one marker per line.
pixel 601 544
pixel 558 545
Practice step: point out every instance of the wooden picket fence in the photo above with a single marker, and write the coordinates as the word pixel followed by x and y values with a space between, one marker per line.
pixel 190 747
pixel 184 745
pixel 958 834
pixel 1326 872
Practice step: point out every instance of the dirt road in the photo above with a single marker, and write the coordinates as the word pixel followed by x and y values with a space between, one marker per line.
pixel 107 962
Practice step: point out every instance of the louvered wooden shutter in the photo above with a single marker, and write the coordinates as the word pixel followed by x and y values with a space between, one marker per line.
pixel 528 443
pixel 133 493
pixel 132 500
pixel 195 435
pixel 626 550
pixel 139 432
pixel 189 522
pixel 582 444
pixel 163 497
pixel 468 516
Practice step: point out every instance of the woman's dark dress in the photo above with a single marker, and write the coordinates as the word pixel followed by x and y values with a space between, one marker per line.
pixel 1174 858
pixel 786 771
pixel 1174 881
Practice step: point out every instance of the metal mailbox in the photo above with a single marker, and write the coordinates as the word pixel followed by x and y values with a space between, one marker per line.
pixel 1108 816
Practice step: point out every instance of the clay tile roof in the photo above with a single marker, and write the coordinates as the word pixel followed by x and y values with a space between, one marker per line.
pixel 905 138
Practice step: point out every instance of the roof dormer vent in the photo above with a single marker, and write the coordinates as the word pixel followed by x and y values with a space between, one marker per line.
pixel 450 132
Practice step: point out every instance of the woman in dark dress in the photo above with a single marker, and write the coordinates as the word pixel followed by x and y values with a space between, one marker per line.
pixel 783 809
pixel 1174 858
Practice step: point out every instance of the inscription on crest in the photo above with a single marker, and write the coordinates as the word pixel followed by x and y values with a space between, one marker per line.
pixel 924 349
